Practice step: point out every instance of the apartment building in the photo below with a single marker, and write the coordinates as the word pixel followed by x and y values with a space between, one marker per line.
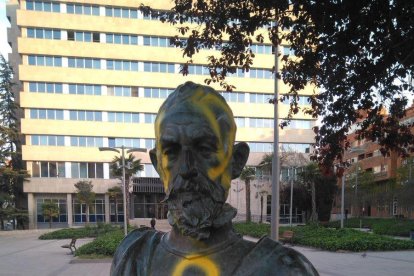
pixel 93 73
pixel 381 173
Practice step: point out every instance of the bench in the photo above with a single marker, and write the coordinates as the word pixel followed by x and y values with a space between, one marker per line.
pixel 287 237
pixel 71 245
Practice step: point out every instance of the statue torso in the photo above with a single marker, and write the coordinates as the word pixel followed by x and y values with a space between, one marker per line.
pixel 145 252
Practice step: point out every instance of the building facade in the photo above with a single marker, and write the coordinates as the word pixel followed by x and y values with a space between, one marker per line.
pixel 377 185
pixel 93 74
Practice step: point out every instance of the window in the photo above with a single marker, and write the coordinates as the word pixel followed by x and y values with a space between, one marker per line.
pixel 123 117
pixel 45 61
pixel 43 33
pixel 86 170
pixel 62 217
pixel 240 122
pixel 122 91
pixel 50 114
pixel 157 41
pixel 48 169
pixel 233 96
pixel 159 67
pixel 47 140
pixel 239 73
pixel 83 115
pixel 161 93
pixel 300 124
pixel 122 65
pixel 84 63
pixel 122 39
pixel 149 118
pixel 261 73
pixel 261 49
pixel 82 9
pixel 154 15
pixel 260 147
pixel 261 123
pixel 85 89
pixel 42 6
pixel 287 51
pixel 260 98
pixel 42 87
pixel 83 36
pixel 86 141
pixel 121 12
pixel 198 70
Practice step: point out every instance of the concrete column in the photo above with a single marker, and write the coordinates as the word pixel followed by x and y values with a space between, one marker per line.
pixel 69 208
pixel 31 205
pixel 107 209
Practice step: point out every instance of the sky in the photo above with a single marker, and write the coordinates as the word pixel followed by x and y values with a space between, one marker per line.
pixel 4 23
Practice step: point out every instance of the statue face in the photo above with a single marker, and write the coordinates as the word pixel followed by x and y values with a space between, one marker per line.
pixel 193 156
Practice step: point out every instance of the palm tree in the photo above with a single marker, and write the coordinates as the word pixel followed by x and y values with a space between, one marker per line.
pixel 247 174
pixel 85 195
pixel 115 193
pixel 132 166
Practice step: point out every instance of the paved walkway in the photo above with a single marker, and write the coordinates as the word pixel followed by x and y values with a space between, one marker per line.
pixel 22 253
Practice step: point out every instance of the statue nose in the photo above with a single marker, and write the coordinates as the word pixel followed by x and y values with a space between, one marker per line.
pixel 187 169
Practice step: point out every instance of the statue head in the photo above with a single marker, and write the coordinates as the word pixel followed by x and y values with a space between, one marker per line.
pixel 196 158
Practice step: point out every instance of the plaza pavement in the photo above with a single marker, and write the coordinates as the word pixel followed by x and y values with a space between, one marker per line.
pixel 22 253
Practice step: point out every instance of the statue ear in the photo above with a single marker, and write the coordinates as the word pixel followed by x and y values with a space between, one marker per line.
pixel 153 156
pixel 239 159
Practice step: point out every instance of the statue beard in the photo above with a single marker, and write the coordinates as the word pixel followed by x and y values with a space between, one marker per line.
pixel 196 207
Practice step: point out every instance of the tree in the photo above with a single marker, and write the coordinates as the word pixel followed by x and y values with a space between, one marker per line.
pixel 50 210
pixel 247 174
pixel 85 195
pixel 309 177
pixel 132 166
pixel 12 173
pixel 115 193
pixel 359 53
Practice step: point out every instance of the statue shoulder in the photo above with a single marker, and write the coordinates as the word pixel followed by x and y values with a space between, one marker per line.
pixel 269 257
pixel 136 242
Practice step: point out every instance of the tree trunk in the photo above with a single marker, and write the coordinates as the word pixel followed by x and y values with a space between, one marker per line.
pixel 314 215
pixel 248 213
pixel 87 213
pixel 116 209
pixel 261 209
pixel 50 222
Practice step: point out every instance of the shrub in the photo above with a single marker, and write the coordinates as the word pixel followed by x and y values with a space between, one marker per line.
pixel 104 245
pixel 89 231
pixel 381 226
pixel 346 239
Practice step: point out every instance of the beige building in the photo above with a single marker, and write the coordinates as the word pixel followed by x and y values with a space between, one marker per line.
pixel 91 74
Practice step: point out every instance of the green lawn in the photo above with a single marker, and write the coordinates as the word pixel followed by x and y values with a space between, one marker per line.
pixel 381 226
pixel 330 238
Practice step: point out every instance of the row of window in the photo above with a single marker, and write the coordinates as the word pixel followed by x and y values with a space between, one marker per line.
pixel 149 92
pixel 127 65
pixel 286 147
pixel 130 39
pixel 58 169
pixel 131 142
pixel 149 118
pixel 96 211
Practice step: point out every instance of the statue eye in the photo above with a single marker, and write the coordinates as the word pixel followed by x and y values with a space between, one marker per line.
pixel 171 150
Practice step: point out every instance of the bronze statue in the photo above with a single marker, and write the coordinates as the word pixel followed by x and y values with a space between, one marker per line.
pixel 196 159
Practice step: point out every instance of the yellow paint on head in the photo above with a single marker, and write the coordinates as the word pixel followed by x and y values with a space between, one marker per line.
pixel 204 263
pixel 207 104
pixel 161 166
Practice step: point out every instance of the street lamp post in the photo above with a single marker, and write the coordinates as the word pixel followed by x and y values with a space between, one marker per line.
pixel 123 176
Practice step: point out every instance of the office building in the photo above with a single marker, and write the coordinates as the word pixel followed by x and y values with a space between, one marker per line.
pixel 92 74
